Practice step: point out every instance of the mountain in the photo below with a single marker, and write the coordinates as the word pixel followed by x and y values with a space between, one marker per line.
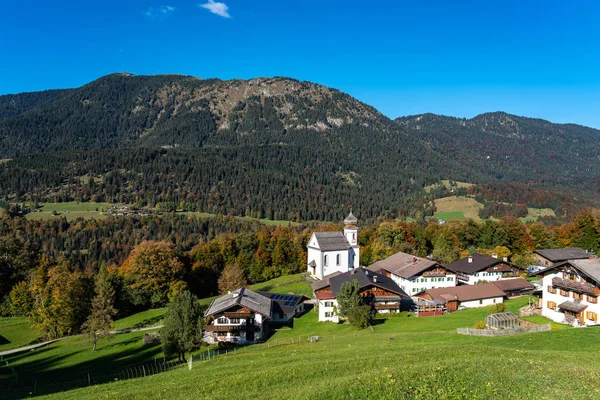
pixel 266 147
pixel 512 148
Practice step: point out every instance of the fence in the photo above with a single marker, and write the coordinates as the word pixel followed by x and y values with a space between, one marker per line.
pixel 503 332
pixel 13 388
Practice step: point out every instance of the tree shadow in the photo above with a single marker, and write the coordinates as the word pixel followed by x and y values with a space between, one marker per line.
pixel 148 322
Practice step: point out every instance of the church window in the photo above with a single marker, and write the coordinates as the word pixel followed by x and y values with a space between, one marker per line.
pixel 325 261
pixel 338 259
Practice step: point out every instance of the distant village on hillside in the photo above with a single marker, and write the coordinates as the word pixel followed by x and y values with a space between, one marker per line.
pixel 565 281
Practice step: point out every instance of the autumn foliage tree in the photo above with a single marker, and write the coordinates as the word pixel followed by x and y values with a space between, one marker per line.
pixel 232 278
pixel 153 273
pixel 100 320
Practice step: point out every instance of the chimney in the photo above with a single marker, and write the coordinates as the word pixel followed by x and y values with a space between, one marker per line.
pixel 494 255
pixel 414 259
pixel 470 259
pixel 505 259
pixel 375 278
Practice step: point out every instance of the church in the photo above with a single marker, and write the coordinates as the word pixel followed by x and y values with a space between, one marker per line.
pixel 330 252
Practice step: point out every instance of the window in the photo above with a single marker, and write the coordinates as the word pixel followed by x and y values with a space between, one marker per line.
pixel 592 300
pixel 234 321
pixel 325 261
pixel 449 279
pixel 564 293
pixel 592 316
pixel 328 314
pixel 494 301
pixel 551 305
pixel 551 290
pixel 338 259
pixel 329 304
pixel 577 296
pixel 414 290
pixel 222 320
pixel 480 301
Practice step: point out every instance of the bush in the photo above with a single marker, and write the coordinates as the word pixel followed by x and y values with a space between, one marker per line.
pixel 360 316
pixel 480 325
pixel 497 308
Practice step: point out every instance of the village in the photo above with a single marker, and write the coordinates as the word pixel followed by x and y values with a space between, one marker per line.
pixel 565 284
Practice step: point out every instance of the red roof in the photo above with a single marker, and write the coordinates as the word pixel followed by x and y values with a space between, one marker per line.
pixel 325 295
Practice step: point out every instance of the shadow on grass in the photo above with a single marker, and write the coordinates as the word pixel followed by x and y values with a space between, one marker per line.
pixel 148 322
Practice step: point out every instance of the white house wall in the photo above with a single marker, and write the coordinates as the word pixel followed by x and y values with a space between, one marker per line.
pixel 482 302
pixel 557 298
pixel 328 306
pixel 420 283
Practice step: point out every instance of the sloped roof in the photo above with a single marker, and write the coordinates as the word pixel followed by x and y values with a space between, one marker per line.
pixel 479 263
pixel 365 278
pixel 590 267
pixel 243 298
pixel 332 241
pixel 403 264
pixel 572 306
pixel 323 282
pixel 466 292
pixel 557 255
pixel 283 303
pixel 513 284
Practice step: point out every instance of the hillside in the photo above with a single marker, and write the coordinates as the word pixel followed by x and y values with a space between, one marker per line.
pixel 420 358
pixel 270 148
pixel 513 148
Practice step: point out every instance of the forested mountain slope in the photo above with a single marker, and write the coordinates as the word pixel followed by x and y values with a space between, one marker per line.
pixel 266 147
pixel 513 148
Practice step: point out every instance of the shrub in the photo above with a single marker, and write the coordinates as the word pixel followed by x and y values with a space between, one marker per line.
pixel 480 325
pixel 360 316
pixel 497 308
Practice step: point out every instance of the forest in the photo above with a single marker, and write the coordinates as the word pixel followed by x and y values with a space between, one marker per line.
pixel 51 265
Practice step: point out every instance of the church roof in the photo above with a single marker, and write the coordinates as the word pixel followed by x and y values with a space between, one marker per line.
pixel 332 241
pixel 350 219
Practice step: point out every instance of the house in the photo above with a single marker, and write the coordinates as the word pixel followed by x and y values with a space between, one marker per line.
pixel 478 267
pixel 329 252
pixel 468 296
pixel 571 290
pixel 285 306
pixel 415 274
pixel 376 289
pixel 515 287
pixel 547 257
pixel 244 316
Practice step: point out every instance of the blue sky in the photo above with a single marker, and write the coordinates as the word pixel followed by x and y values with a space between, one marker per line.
pixel 460 58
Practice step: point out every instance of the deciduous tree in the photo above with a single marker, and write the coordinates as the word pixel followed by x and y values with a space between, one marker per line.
pixel 232 278
pixel 100 320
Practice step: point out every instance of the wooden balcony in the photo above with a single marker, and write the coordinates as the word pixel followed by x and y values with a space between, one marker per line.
pixel 577 287
pixel 225 328
pixel 393 307
pixel 239 315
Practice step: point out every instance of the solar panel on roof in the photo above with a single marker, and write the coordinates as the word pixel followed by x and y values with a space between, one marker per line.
pixel 290 303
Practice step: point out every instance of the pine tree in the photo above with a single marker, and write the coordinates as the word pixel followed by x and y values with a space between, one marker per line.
pixel 348 297
pixel 182 331
pixel 100 320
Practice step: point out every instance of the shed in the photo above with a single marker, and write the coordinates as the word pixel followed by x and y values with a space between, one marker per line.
pixel 505 320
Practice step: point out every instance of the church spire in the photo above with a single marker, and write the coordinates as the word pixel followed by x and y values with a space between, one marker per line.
pixel 350 220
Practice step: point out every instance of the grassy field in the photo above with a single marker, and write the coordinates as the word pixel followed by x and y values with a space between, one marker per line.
pixel 17 332
pixel 534 213
pixel 263 220
pixel 446 183
pixel 143 319
pixel 457 208
pixel 70 210
pixel 402 358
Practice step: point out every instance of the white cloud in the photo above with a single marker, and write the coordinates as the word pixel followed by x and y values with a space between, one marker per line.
pixel 160 12
pixel 216 8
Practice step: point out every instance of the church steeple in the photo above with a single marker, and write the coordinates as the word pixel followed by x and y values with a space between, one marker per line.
pixel 351 230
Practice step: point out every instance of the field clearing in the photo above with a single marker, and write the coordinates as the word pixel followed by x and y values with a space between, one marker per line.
pixel 70 210
pixel 446 183
pixel 451 207
pixel 416 358
pixel 533 214
pixel 249 219
pixel 16 330
pixel 5 160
